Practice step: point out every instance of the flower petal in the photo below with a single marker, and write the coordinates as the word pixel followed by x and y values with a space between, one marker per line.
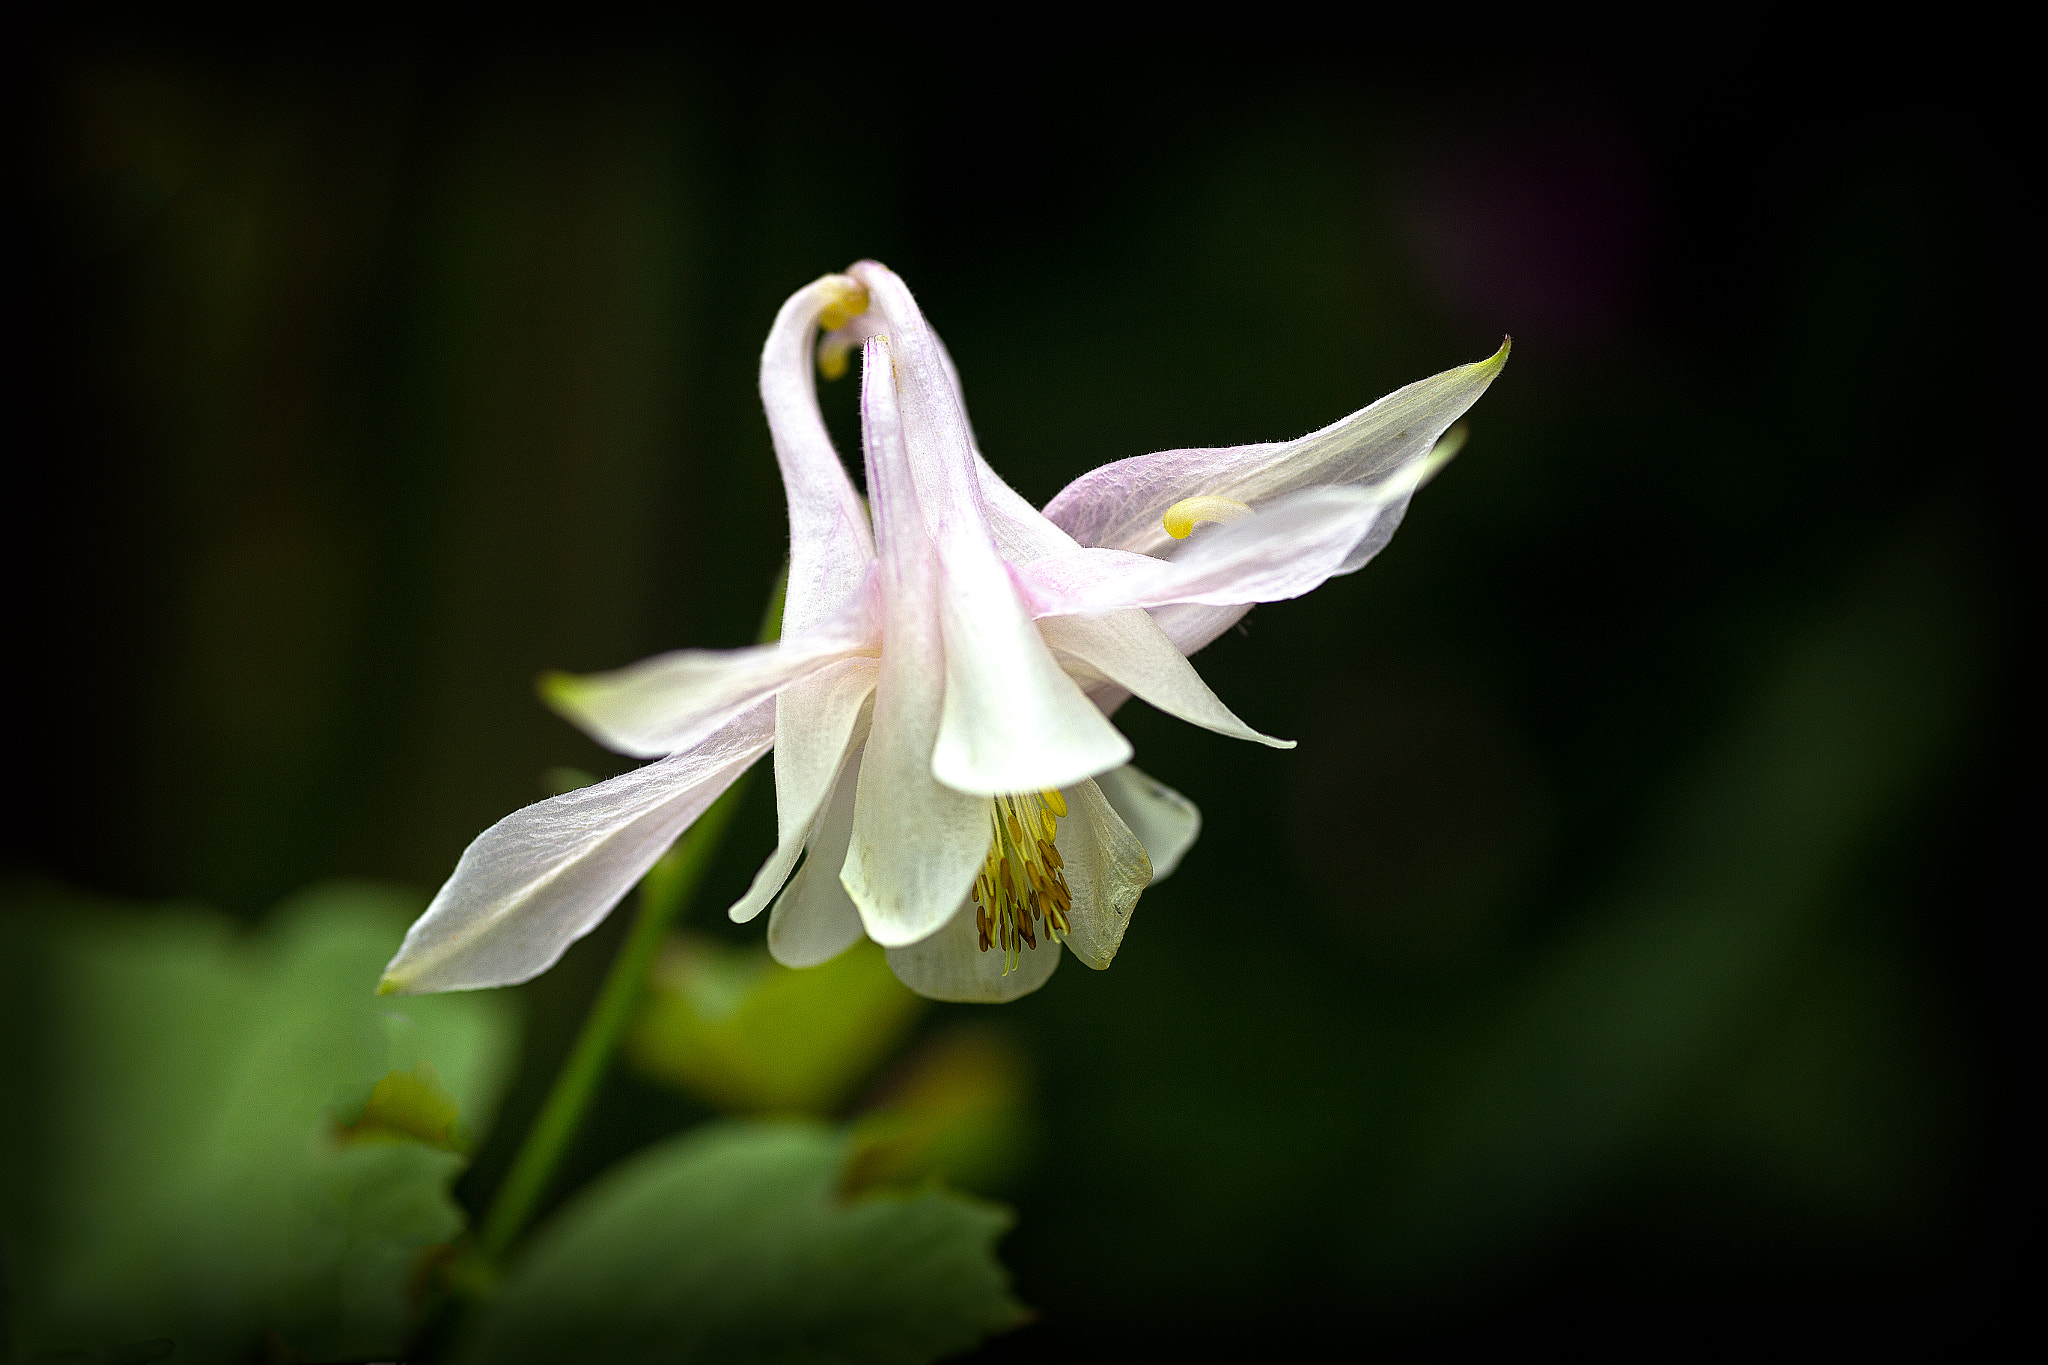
pixel 543 877
pixel 1284 550
pixel 814 920
pixel 1120 506
pixel 916 843
pixel 950 965
pixel 820 723
pixel 1107 870
pixel 1165 822
pixel 1193 626
pixel 667 703
pixel 1128 649
pixel 1012 720
pixel 1021 531
pixel 829 539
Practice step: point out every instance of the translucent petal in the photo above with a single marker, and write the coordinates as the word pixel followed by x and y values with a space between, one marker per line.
pixel 1193 626
pixel 1284 550
pixel 543 877
pixel 667 703
pixel 812 750
pixel 1165 822
pixel 818 721
pixel 1129 649
pixel 916 843
pixel 1119 506
pixel 1012 720
pixel 1107 870
pixel 830 543
pixel 814 920
pixel 950 965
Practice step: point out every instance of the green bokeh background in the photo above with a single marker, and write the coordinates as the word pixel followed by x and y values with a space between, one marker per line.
pixel 1622 941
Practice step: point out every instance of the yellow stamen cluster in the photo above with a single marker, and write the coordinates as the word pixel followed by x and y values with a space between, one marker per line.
pixel 1022 891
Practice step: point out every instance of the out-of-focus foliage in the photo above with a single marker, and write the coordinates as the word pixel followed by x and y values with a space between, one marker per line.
pixel 959 1109
pixel 226 1143
pixel 227 1140
pixel 408 1104
pixel 748 1035
pixel 738 1243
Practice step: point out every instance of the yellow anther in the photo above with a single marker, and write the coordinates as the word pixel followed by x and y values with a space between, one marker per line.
pixel 849 299
pixel 1021 892
pixel 1181 518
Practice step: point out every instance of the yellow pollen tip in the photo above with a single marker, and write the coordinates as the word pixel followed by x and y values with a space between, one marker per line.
pixel 1181 518
pixel 1021 895
pixel 847 301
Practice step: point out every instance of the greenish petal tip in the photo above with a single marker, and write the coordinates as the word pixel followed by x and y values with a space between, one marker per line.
pixel 556 688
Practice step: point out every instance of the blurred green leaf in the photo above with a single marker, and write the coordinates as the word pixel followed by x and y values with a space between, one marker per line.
pixel 229 1140
pixel 748 1035
pixel 407 1104
pixel 737 1243
pixel 959 1110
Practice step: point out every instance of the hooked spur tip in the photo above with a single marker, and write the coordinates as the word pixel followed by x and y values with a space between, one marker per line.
pixel 846 299
pixel 1181 518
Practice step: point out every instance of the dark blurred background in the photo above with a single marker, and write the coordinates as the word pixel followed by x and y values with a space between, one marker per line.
pixel 1620 959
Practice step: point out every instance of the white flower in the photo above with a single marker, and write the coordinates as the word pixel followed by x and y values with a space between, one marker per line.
pixel 945 770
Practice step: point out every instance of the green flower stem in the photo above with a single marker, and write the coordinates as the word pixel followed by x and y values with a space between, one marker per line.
pixel 665 893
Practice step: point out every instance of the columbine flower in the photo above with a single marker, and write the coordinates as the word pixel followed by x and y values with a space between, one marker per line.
pixel 946 777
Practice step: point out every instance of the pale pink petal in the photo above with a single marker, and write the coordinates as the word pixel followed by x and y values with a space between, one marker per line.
pixel 916 843
pixel 667 703
pixel 1127 648
pixel 1012 719
pixel 819 723
pixel 1282 551
pixel 814 920
pixel 543 877
pixel 1193 626
pixel 829 539
pixel 1121 505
